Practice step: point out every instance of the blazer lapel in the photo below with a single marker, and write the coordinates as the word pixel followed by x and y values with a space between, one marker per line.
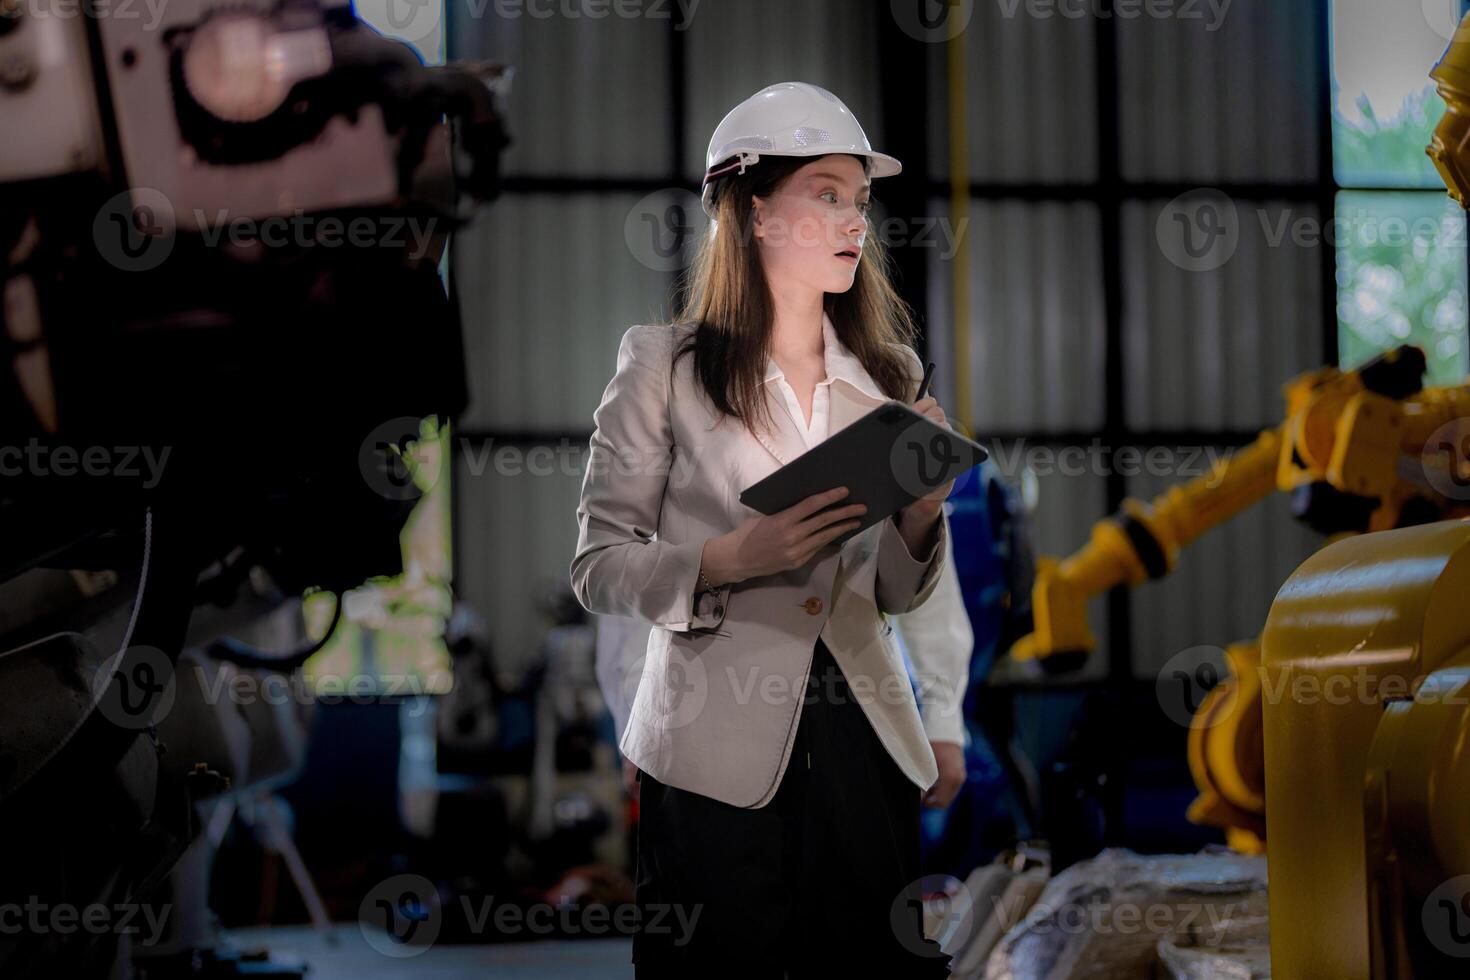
pixel 785 443
pixel 846 404
pixel 851 395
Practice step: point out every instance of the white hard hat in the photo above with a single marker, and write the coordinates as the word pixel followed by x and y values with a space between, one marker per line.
pixel 788 119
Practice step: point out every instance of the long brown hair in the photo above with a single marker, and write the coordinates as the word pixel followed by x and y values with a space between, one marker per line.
pixel 727 297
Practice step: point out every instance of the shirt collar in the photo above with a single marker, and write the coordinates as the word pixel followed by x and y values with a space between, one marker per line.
pixel 840 363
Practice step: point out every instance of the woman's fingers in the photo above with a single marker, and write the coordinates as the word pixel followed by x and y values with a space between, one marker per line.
pixel 928 406
pixel 814 543
pixel 840 530
pixel 809 506
pixel 822 538
pixel 835 531
pixel 821 519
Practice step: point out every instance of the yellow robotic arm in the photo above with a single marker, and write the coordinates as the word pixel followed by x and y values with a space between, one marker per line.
pixel 1450 148
pixel 1377 889
pixel 1363 450
pixel 1350 450
pixel 1141 542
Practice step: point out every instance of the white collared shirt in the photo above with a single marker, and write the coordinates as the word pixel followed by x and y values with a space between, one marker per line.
pixel 937 637
pixel 817 430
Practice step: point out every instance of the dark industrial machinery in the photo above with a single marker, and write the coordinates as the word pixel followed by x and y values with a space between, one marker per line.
pixel 221 227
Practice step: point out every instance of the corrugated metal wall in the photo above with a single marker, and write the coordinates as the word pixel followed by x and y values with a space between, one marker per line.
pixel 1036 315
pixel 548 283
pixel 565 114
pixel 548 286
pixel 1029 84
pixel 544 314
pixel 1201 104
pixel 1237 102
pixel 738 47
pixel 1209 350
pixel 516 536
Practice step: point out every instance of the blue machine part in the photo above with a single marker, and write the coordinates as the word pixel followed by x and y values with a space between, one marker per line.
pixel 991 560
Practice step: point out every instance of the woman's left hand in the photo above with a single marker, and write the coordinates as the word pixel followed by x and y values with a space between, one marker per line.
pixel 951 759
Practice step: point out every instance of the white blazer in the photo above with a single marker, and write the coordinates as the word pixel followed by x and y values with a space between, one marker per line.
pixel 721 689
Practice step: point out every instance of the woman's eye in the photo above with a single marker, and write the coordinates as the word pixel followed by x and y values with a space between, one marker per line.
pixel 865 207
pixel 830 194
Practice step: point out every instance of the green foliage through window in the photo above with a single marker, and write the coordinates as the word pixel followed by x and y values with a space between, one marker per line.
pixel 1401 273
pixel 1387 152
pixel 1400 238
pixel 391 637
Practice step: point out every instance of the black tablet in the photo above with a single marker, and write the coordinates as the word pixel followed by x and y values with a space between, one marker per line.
pixel 887 459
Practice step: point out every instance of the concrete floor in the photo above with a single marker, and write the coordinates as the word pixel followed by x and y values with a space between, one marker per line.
pixel 352 958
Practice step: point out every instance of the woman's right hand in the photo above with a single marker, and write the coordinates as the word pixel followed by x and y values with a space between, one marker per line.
pixel 777 542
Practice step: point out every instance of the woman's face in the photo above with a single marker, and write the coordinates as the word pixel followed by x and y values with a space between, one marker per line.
pixel 811 229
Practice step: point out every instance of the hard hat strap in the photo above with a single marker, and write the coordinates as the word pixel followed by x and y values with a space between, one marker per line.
pixel 742 160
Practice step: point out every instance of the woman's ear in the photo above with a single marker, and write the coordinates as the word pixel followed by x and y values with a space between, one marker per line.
pixel 757 216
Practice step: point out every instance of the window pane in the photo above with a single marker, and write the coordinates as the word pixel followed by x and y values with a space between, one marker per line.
pixel 390 639
pixel 1384 107
pixel 1401 278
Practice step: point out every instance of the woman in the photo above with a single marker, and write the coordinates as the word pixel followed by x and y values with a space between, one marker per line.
pixel 781 751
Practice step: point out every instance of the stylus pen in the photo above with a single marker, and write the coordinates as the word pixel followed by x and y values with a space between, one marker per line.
pixel 924 385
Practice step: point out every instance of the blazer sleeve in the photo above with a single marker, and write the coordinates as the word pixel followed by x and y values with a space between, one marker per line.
pixel 940 642
pixel 904 580
pixel 621 642
pixel 621 567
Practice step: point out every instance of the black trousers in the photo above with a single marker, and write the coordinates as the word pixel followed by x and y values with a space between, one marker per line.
pixel 822 880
